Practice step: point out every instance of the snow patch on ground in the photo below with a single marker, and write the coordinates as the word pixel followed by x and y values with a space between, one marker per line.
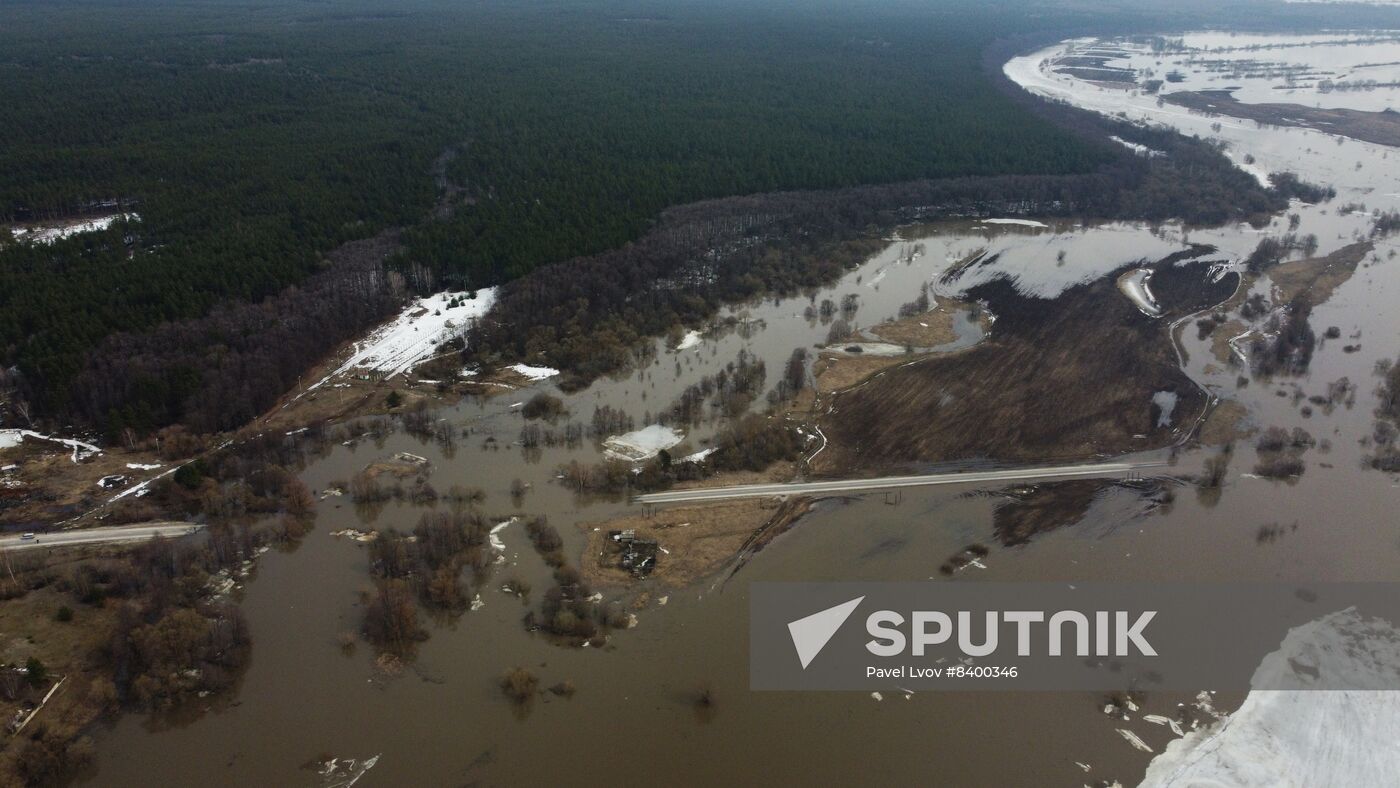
pixel 1136 286
pixel 1166 405
pixel 12 438
pixel 47 234
pixel 412 337
pixel 141 489
pixel 642 444
pixel 1299 736
pixel 1139 149
pixel 699 456
pixel 534 373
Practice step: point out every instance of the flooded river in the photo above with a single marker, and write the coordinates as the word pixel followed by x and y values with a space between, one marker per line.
pixel 442 720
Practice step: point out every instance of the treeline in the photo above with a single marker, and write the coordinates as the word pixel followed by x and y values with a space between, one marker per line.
pixel 586 315
pixel 250 144
pixel 1386 433
pixel 219 371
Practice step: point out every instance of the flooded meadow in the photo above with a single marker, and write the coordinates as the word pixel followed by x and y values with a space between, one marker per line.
pixel 667 699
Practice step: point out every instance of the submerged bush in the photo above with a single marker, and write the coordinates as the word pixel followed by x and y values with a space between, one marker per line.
pixel 519 684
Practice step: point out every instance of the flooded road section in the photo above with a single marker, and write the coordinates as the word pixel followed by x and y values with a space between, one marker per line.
pixel 441 719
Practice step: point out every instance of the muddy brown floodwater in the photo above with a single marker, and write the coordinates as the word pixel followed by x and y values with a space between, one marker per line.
pixel 442 720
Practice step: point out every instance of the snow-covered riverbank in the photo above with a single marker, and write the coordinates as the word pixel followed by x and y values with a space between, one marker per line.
pixel 415 334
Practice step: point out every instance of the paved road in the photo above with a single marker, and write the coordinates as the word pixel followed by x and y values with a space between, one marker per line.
pixel 127 533
pixel 895 482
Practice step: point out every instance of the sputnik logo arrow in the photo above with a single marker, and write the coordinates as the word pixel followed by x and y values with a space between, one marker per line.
pixel 811 634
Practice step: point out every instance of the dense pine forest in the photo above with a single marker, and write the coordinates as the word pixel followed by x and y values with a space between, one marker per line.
pixel 253 139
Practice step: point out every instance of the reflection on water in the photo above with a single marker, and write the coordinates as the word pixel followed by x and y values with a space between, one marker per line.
pixel 443 720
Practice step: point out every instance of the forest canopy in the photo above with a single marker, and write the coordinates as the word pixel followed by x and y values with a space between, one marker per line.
pixel 253 139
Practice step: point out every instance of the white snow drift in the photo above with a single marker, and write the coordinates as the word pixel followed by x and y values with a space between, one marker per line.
pixel 535 374
pixel 690 340
pixel 411 338
pixel 642 444
pixel 12 438
pixel 47 234
pixel 1136 285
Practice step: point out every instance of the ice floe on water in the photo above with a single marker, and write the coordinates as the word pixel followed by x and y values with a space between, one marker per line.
pixel 1158 719
pixel 1019 222
pixel 870 349
pixel 494 536
pixel 534 373
pixel 642 444
pixel 1134 739
pixel 416 333
pixel 345 772
pixel 1308 735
